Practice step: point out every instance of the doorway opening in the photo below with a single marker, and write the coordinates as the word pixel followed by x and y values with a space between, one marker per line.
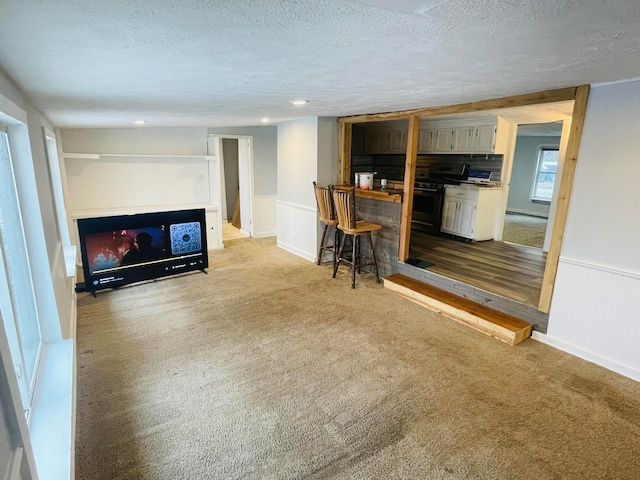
pixel 236 173
pixel 512 263
pixel 532 184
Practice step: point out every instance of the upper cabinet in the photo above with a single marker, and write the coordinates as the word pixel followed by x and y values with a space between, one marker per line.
pixel 386 142
pixel 484 138
pixel 426 140
pixel 473 135
pixel 458 137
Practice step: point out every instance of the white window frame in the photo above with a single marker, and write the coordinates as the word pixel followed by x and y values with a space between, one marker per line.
pixel 51 149
pixel 11 324
pixel 541 150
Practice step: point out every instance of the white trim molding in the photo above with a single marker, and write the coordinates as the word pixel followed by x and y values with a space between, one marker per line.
pixel 613 365
pixel 600 268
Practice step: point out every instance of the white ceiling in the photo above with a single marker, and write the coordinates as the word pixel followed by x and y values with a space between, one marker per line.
pixel 101 63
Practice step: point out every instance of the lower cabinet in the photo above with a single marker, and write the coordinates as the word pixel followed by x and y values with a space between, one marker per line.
pixel 470 212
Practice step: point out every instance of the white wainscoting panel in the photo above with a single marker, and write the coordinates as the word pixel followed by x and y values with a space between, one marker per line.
pixel 264 215
pixel 297 229
pixel 595 315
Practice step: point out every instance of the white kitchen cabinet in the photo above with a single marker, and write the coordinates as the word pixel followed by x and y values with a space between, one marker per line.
pixel 459 137
pixel 478 135
pixel 386 142
pixel 458 216
pixel 397 142
pixel 470 211
pixel 484 139
pixel 462 140
pixel 426 138
pixel 443 140
pixel 375 142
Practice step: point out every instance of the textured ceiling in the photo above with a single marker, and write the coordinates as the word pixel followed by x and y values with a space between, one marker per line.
pixel 98 63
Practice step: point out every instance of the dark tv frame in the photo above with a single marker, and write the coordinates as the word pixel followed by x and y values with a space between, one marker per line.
pixel 173 250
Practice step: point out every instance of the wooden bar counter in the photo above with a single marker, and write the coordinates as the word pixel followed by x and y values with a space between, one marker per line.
pixel 384 208
pixel 389 195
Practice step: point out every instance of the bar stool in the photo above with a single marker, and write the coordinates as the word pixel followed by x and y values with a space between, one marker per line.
pixel 327 214
pixel 345 204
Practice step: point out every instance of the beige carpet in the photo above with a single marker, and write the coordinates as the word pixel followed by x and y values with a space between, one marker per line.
pixel 524 229
pixel 269 368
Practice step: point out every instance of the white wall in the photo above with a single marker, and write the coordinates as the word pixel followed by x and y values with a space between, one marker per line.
pixel 307 152
pixel 297 169
pixel 120 182
pixel 596 300
pixel 139 141
pixel 525 162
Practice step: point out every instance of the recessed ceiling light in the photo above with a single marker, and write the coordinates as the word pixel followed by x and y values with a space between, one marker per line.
pixel 139 122
pixel 300 102
pixel 265 120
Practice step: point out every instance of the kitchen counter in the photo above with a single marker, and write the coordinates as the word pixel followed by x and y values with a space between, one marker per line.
pixel 388 195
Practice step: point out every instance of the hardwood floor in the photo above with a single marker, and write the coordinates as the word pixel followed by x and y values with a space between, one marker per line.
pixel 510 270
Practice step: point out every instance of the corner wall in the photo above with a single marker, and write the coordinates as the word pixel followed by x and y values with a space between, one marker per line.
pixel 596 300
pixel 307 152
pixel 297 169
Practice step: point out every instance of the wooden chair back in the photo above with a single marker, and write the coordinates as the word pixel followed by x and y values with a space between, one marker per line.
pixel 345 203
pixel 325 204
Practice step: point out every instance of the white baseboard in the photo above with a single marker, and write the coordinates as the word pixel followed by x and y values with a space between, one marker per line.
pixel 272 233
pixel 297 251
pixel 592 357
pixel 530 213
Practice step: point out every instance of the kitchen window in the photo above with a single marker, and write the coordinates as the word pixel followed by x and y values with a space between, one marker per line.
pixel 545 175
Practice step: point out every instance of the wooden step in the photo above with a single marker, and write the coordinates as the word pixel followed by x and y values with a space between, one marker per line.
pixel 502 326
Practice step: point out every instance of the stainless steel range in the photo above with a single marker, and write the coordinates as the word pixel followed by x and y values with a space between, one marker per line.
pixel 428 194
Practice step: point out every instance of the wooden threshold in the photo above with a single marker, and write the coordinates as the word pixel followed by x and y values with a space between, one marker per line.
pixel 502 326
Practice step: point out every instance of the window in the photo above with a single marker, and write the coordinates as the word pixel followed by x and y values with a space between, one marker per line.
pixel 545 175
pixel 17 295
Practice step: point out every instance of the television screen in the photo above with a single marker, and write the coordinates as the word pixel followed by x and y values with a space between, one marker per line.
pixel 130 248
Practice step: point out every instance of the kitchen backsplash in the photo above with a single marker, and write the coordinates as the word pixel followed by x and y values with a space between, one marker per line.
pixel 392 166
pixel 492 162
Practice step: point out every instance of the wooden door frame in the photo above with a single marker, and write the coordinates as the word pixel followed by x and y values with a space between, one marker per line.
pixel 579 95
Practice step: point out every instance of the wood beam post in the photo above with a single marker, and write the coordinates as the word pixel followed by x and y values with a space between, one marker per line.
pixel 409 180
pixel 344 153
pixel 564 196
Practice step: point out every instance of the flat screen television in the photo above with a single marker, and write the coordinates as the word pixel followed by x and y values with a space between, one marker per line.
pixel 131 248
